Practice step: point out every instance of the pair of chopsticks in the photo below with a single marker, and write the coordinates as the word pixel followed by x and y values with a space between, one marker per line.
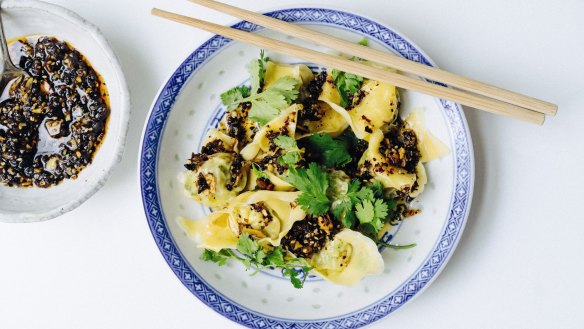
pixel 466 91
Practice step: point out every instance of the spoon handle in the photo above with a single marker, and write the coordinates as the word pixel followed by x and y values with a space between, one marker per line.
pixel 8 65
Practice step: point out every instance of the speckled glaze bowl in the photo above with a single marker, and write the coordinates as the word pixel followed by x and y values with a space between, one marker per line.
pixel 188 105
pixel 28 17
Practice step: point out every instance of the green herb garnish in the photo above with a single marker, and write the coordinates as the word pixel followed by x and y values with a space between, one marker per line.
pixel 365 207
pixel 332 152
pixel 285 142
pixel 254 254
pixel 234 96
pixel 257 72
pixel 394 246
pixel 258 171
pixel 347 84
pixel 265 105
pixel 371 214
pixel 313 183
pixel 292 155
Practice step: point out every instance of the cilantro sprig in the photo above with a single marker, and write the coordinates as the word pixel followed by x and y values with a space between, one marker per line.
pixel 333 153
pixel 219 257
pixel 292 154
pixel 347 84
pixel 253 254
pixel 257 72
pixel 265 105
pixel 313 182
pixel 364 207
pixel 371 214
pixel 234 96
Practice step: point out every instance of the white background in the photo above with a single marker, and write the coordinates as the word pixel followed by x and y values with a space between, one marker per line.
pixel 519 263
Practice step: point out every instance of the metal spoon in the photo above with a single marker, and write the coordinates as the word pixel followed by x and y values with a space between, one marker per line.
pixel 9 71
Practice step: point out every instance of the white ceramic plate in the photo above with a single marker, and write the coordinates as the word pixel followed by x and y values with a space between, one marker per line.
pixel 188 105
pixel 26 17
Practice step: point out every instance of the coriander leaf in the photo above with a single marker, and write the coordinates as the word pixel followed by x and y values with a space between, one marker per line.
pixel 372 213
pixel 364 42
pixel 257 72
pixel 314 204
pixel 287 87
pixel 377 189
pixel 343 211
pixel 370 229
pixel 381 209
pixel 296 282
pixel 361 203
pixel 232 97
pixel 246 245
pixel 285 142
pixel 255 75
pixel 365 193
pixel 219 257
pixel 347 84
pixel 391 205
pixel 258 172
pixel 344 208
pixel 255 255
pixel 259 256
pixel 289 158
pixel 365 211
pixel 353 187
pixel 276 257
pixel 333 152
pixel 268 104
pixel 263 112
pixel 313 183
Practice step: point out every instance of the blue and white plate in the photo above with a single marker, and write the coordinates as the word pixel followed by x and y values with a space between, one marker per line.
pixel 188 105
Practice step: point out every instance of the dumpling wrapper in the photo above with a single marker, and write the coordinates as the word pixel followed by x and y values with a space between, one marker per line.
pixel 220 229
pixel 362 258
pixel 212 232
pixel 275 71
pixel 217 170
pixel 261 142
pixel 391 177
pixel 379 106
pixel 279 183
pixel 429 145
pixel 229 143
pixel 332 123
pixel 238 119
pixel 330 93
pixel 279 205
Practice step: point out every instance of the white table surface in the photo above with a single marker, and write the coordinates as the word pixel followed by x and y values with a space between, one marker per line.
pixel 519 263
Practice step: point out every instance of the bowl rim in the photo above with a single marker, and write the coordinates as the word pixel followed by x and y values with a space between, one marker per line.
pixel 425 274
pixel 124 110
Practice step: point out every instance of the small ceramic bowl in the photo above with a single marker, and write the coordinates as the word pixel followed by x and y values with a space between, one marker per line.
pixel 29 17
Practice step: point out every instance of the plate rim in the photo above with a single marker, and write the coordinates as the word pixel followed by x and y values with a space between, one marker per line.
pixel 345 320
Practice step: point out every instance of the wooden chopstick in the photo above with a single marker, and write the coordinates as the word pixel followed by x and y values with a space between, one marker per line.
pixel 402 81
pixel 384 58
